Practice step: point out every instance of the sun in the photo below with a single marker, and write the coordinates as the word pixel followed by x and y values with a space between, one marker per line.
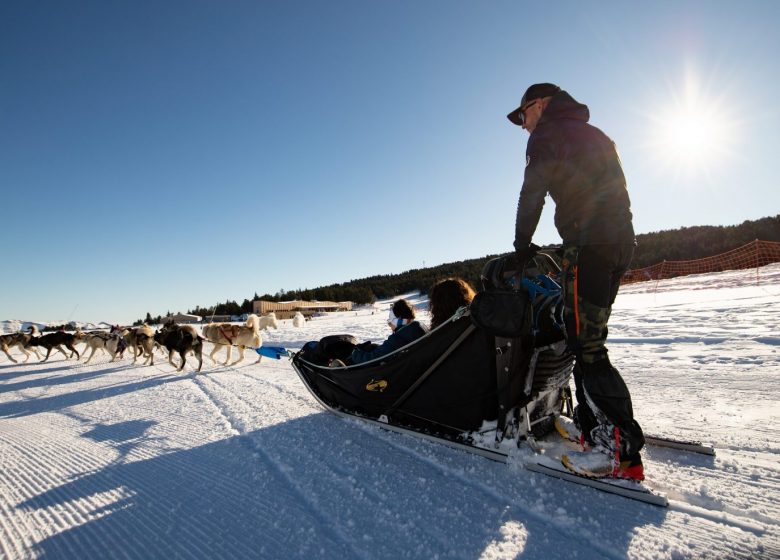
pixel 691 132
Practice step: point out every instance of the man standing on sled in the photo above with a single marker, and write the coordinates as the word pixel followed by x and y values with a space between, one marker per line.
pixel 578 165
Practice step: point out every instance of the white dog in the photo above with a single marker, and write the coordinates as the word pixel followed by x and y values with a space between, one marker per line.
pixel 267 320
pixel 299 320
pixel 228 335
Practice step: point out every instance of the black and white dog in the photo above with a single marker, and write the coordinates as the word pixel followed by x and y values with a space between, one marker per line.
pixel 57 340
pixel 182 339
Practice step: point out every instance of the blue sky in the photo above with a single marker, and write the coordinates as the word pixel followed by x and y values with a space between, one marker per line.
pixel 155 156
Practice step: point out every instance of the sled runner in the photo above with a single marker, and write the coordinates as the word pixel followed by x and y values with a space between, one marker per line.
pixel 503 360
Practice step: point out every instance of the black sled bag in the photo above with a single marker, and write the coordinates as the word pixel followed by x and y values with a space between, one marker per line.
pixel 457 395
pixel 504 313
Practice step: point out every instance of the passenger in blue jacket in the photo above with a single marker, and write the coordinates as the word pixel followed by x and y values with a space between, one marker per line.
pixel 405 330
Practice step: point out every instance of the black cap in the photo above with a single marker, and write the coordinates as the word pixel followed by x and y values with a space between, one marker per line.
pixel 536 91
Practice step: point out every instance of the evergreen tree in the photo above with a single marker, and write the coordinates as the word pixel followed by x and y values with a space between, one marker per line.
pixel 687 243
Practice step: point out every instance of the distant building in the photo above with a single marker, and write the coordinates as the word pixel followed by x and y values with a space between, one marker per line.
pixel 288 309
pixel 217 319
pixel 183 318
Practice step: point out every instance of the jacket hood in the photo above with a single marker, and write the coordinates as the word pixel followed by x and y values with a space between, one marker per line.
pixel 564 106
pixel 410 332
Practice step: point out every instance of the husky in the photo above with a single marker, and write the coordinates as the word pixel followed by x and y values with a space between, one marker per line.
pixel 21 340
pixel 267 320
pixel 182 339
pixel 57 340
pixel 101 340
pixel 141 340
pixel 227 335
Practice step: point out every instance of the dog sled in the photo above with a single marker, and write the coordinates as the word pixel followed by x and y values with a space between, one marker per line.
pixel 500 366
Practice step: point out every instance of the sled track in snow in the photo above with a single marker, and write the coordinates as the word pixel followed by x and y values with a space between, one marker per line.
pixel 391 439
pixel 731 504
pixel 258 451
pixel 41 464
pixel 711 514
pixel 46 506
pixel 732 520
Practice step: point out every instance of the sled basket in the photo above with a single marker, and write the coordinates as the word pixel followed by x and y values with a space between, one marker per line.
pixel 443 382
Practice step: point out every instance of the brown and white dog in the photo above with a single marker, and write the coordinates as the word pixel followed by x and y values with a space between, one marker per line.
pixel 21 340
pixel 141 340
pixel 57 340
pixel 227 335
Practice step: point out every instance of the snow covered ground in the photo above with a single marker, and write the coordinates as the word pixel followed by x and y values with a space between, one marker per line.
pixel 122 461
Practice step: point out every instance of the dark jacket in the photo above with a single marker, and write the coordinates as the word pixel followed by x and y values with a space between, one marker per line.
pixel 401 337
pixel 579 166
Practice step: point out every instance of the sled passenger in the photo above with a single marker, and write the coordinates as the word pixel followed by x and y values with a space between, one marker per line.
pixel 447 296
pixel 405 330
pixel 578 165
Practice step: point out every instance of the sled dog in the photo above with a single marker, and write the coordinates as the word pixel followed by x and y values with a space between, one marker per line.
pixel 182 339
pixel 21 340
pixel 228 335
pixel 141 340
pixel 57 340
pixel 101 340
pixel 267 320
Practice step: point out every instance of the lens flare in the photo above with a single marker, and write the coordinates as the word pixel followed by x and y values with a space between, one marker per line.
pixel 690 132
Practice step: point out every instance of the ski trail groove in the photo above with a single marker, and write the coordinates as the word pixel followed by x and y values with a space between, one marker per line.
pixel 280 472
pixel 484 488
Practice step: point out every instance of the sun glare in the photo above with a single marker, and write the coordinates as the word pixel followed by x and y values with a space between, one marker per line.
pixel 691 132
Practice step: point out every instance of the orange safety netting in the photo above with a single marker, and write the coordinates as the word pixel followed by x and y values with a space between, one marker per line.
pixel 753 255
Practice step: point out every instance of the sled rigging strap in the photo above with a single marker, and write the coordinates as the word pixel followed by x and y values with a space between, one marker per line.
pixel 470 329
pixel 226 335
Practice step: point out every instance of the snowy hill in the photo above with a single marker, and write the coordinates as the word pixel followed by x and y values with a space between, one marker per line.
pixel 13 325
pixel 113 460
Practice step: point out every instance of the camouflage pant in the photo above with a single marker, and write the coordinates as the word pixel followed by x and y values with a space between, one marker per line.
pixel 591 278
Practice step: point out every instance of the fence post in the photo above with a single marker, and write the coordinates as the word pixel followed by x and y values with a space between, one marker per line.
pixel 758 259
pixel 660 275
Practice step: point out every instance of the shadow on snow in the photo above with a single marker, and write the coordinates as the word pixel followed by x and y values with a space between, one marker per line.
pixel 317 486
pixel 16 409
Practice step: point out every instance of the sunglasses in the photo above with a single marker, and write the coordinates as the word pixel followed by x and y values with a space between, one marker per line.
pixel 522 110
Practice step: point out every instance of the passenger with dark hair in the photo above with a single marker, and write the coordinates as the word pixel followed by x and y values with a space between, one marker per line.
pixel 447 296
pixel 405 330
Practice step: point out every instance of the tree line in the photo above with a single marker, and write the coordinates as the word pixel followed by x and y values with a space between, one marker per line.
pixel 686 243
pixel 697 242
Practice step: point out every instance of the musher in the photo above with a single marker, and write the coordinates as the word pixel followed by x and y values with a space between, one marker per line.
pixel 578 165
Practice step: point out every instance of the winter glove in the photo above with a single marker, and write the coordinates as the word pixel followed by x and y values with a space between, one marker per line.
pixel 523 254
